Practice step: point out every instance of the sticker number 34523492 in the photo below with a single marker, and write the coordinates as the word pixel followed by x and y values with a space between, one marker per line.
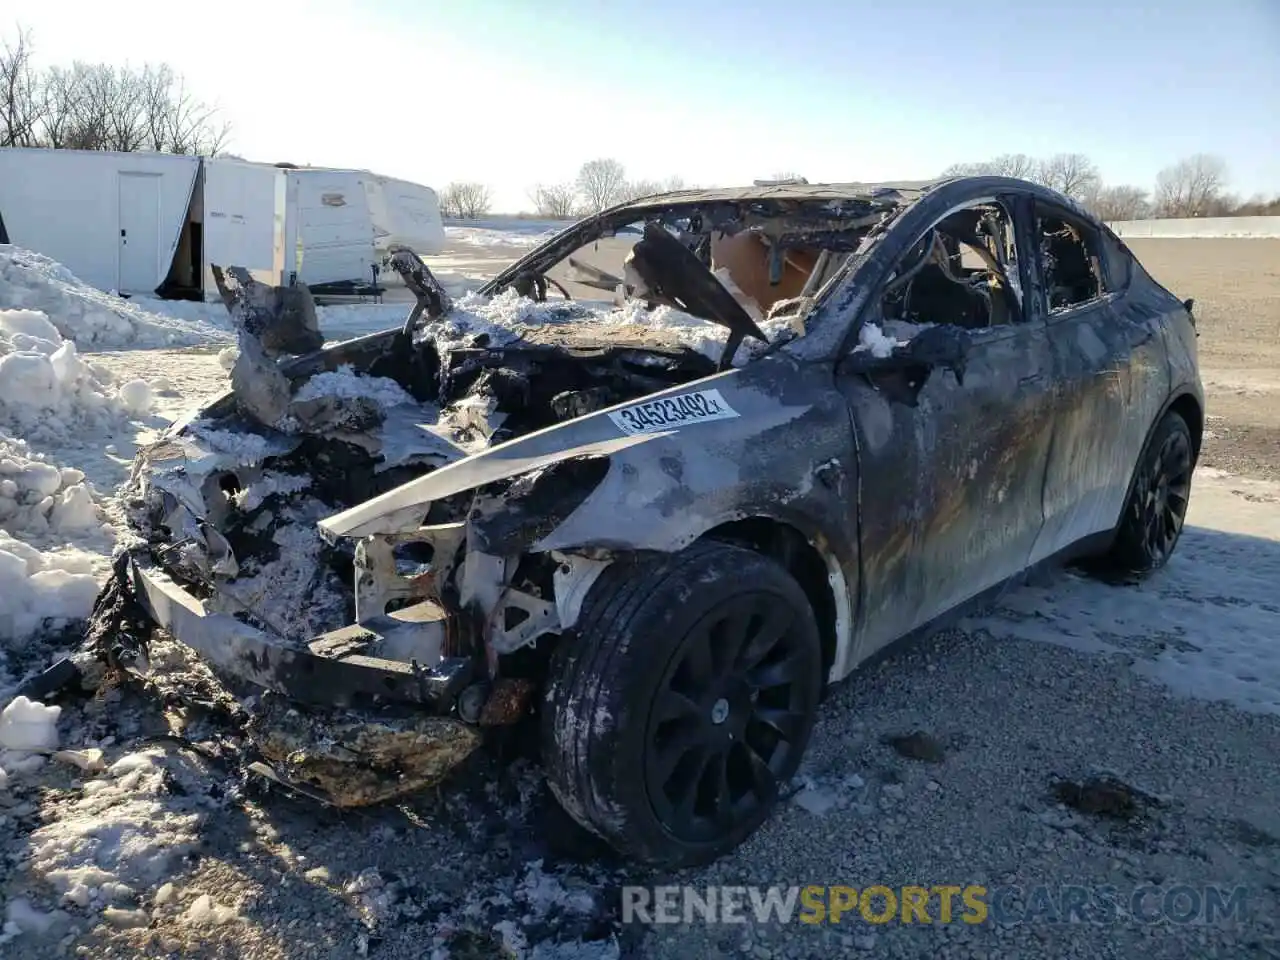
pixel 670 413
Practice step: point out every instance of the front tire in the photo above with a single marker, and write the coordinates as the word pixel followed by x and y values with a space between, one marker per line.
pixel 684 701
pixel 1151 524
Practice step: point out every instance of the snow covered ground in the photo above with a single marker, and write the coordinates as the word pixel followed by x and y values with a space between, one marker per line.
pixel 120 839
pixel 502 231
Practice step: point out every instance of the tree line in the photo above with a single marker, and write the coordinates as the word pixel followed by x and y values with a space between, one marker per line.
pixel 600 184
pixel 97 106
pixel 1195 186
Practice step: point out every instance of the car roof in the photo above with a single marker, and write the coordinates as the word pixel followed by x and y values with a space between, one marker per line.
pixel 907 190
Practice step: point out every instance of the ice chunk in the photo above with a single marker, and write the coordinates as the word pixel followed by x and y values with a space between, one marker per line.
pixel 33 323
pixel 28 725
pixel 27 379
pixel 204 910
pixel 28 919
pixel 135 396
pixel 74 510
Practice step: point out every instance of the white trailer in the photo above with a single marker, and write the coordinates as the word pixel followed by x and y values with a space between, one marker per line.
pixel 342 222
pixel 141 223
pixel 113 219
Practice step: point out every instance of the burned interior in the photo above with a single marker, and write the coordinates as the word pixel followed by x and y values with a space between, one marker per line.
pixel 963 272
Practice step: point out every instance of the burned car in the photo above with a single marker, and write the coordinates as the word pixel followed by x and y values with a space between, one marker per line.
pixel 657 506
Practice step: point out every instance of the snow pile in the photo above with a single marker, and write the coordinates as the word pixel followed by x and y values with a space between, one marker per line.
pixel 126 830
pixel 39 501
pixel 90 318
pixel 348 385
pixel 48 391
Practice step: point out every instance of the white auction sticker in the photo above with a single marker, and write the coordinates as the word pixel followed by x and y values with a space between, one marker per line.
pixel 669 413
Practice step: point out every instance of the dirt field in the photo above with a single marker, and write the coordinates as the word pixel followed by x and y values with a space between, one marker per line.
pixel 1236 286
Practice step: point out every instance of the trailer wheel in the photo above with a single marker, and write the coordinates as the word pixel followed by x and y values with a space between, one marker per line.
pixel 683 702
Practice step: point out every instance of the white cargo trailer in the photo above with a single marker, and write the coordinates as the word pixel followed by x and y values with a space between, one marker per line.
pixel 141 223
pixel 113 219
pixel 341 223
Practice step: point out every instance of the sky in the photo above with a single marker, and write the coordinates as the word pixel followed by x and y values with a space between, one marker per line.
pixel 513 93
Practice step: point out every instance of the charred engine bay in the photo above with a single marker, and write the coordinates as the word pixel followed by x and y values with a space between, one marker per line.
pixel 247 542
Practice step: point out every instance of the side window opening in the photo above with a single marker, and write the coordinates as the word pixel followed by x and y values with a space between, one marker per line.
pixel 1070 258
pixel 963 271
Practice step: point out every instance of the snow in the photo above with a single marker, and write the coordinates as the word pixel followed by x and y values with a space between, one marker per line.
pixel 125 831
pixel 347 384
pixel 874 339
pixel 503 232
pixel 43 506
pixel 205 911
pixel 1205 626
pixel 21 917
pixel 90 318
pixel 135 396
pixel 505 317
pixel 28 726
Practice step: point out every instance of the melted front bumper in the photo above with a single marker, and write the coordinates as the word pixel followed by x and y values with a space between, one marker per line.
pixel 340 668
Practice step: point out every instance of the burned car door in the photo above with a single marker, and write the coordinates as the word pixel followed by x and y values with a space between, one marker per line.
pixel 1110 371
pixel 951 452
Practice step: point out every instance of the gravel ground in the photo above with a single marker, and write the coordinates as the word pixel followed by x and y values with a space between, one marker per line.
pixel 488 866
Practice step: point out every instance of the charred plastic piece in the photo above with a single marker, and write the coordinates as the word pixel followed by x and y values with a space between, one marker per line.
pixel 430 294
pixel 356 758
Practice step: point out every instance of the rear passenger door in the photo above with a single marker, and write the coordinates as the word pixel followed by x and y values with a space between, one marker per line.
pixel 1110 375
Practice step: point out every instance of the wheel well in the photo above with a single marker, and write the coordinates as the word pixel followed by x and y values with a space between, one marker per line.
pixel 1187 408
pixel 788 546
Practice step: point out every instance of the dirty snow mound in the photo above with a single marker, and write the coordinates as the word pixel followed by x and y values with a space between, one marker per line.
pixel 90 318
pixel 124 833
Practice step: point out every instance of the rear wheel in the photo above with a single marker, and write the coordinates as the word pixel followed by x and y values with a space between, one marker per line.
pixel 684 702
pixel 1157 505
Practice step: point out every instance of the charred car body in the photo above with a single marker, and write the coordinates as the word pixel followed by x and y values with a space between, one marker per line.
pixel 812 419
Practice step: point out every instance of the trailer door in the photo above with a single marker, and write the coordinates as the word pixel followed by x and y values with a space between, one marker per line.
pixel 139 195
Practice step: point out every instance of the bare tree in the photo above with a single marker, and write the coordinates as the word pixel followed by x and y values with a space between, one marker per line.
pixel 786 176
pixel 19 93
pixel 1017 165
pixel 635 189
pixel 1120 203
pixel 96 106
pixel 601 183
pixel 176 122
pixel 465 201
pixel 1072 174
pixel 556 200
pixel 1191 187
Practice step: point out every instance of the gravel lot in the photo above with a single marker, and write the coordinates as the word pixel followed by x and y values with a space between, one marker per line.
pixel 487 865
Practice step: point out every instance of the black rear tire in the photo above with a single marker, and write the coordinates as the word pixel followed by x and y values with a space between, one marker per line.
pixel 1151 524
pixel 683 701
